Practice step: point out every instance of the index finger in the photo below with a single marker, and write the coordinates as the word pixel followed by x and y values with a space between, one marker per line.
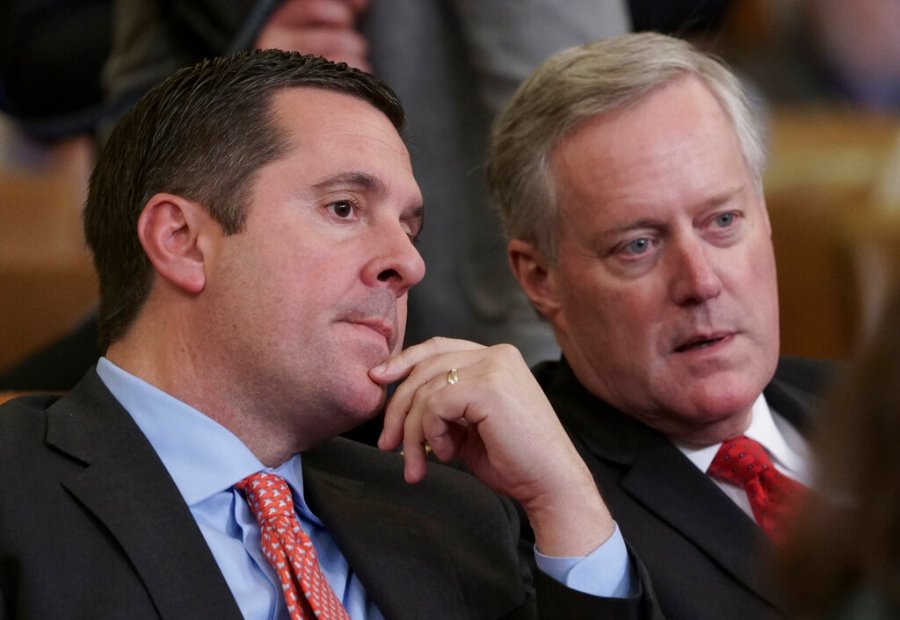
pixel 400 365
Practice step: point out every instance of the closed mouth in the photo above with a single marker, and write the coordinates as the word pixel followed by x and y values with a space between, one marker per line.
pixel 380 327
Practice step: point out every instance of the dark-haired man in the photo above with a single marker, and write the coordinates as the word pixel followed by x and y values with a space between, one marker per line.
pixel 252 221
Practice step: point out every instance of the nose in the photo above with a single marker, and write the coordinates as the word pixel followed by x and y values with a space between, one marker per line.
pixel 395 263
pixel 695 279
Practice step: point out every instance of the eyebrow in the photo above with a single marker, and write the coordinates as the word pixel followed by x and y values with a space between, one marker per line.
pixel 724 197
pixel 650 222
pixel 646 222
pixel 361 180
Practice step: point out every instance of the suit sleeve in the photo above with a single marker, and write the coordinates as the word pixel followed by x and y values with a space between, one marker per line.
pixel 553 600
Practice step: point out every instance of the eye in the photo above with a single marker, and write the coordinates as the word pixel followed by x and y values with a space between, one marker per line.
pixel 724 220
pixel 413 223
pixel 637 247
pixel 725 228
pixel 344 209
pixel 413 236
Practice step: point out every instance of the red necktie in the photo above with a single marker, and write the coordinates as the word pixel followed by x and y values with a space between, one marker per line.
pixel 289 550
pixel 744 462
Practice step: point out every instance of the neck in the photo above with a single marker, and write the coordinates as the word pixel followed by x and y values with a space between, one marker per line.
pixel 184 369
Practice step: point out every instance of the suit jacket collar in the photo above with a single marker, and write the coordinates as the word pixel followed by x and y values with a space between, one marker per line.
pixel 126 487
pixel 658 476
pixel 795 402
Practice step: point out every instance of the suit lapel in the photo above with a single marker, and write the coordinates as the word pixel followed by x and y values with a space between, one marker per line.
pixel 663 480
pixel 391 549
pixel 125 486
pixel 668 485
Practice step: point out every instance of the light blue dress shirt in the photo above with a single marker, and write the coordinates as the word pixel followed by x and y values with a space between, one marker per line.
pixel 205 460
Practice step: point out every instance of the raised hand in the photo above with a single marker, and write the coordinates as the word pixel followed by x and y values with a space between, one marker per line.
pixel 482 405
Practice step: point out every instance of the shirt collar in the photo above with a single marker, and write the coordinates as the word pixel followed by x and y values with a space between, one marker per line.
pixel 766 430
pixel 202 456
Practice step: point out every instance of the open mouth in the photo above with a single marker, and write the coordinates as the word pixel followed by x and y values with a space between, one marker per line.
pixel 699 343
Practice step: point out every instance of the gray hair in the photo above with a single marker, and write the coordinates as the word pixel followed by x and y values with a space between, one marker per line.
pixel 581 83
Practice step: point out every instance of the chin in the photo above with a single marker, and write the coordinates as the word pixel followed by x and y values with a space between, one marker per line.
pixel 720 401
pixel 364 403
pixel 349 414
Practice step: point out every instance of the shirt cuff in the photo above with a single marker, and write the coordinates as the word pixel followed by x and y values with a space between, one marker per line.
pixel 606 571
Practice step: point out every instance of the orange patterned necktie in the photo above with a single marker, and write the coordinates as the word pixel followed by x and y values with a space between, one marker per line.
pixel 289 550
pixel 744 462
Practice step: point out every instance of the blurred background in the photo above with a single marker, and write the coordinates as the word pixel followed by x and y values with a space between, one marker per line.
pixel 825 74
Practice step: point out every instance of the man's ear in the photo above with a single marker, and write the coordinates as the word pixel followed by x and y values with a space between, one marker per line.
pixel 171 229
pixel 535 276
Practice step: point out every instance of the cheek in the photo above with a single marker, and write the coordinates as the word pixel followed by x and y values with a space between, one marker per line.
pixel 613 314
pixel 759 281
pixel 766 293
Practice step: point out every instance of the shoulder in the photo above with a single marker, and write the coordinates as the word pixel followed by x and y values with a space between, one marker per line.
pixel 562 387
pixel 23 423
pixel 587 416
pixel 45 432
pixel 30 468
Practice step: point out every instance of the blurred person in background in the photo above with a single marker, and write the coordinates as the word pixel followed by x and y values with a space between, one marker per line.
pixel 842 560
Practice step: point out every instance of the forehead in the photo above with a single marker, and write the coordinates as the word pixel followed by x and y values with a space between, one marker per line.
pixel 317 118
pixel 674 147
pixel 333 135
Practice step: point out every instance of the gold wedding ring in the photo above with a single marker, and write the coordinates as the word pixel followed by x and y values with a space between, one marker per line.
pixel 453 376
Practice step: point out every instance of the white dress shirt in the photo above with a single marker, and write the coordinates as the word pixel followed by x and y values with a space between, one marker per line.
pixel 786 447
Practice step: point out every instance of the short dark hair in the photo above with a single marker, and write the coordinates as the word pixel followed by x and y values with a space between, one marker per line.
pixel 201 134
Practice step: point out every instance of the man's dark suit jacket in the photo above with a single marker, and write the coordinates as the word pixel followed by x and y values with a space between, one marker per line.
pixel 92 526
pixel 704 556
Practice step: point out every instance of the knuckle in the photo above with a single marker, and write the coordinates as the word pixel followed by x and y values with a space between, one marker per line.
pixel 508 352
pixel 432 345
pixel 432 402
